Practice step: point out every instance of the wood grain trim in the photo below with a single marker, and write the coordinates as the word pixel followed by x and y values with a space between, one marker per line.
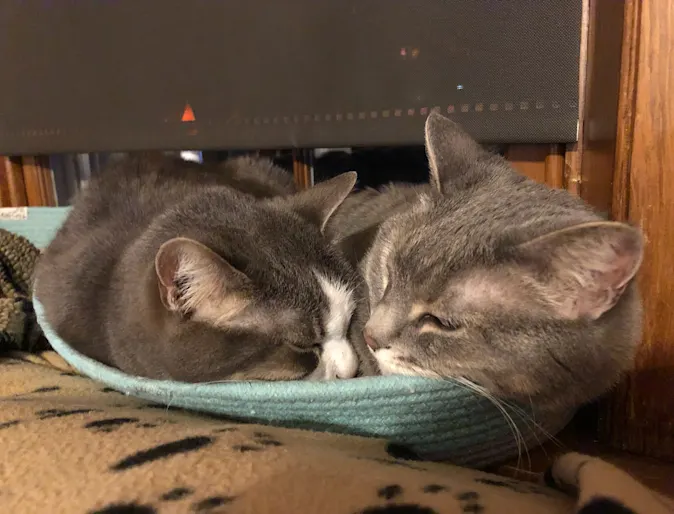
pixel 626 109
pixel 32 176
pixel 554 166
pixel 4 184
pixel 39 181
pixel 591 162
pixel 529 160
pixel 573 155
pixel 47 181
pixel 302 168
pixel 572 167
pixel 640 416
pixel 542 163
pixel 13 186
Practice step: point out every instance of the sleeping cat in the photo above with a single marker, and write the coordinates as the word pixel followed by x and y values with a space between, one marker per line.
pixel 486 276
pixel 174 270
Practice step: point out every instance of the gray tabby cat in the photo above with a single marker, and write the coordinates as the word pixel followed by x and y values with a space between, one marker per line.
pixel 490 277
pixel 174 270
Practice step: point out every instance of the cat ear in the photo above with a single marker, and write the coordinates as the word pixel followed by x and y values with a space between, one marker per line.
pixel 450 150
pixel 194 280
pixel 583 270
pixel 319 202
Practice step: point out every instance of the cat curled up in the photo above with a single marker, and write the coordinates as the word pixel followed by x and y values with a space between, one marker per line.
pixel 175 270
pixel 486 276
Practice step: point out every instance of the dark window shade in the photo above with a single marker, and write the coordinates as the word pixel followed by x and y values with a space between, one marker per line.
pixel 112 75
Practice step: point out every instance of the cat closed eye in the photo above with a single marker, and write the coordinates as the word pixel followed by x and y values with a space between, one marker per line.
pixel 312 348
pixel 444 324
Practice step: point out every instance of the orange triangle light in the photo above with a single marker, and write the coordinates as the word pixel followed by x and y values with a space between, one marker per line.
pixel 188 114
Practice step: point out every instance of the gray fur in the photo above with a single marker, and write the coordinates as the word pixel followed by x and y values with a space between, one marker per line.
pixel 175 270
pixel 487 275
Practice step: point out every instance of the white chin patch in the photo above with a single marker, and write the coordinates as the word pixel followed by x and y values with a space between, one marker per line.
pixel 338 359
pixel 390 364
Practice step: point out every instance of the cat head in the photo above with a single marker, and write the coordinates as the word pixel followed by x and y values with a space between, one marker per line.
pixel 493 278
pixel 253 290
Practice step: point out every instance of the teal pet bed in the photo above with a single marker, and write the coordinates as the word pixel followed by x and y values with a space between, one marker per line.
pixel 432 419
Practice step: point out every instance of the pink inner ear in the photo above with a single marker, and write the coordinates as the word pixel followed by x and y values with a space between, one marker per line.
pixel 589 265
pixel 600 288
pixel 625 267
pixel 167 267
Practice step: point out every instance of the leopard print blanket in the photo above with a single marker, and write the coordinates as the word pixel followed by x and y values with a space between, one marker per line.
pixel 70 445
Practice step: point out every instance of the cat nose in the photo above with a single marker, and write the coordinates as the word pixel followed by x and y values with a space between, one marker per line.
pixel 370 340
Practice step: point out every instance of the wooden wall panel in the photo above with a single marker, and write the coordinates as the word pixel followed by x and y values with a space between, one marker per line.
pixel 13 186
pixel 303 168
pixel 542 163
pixel 26 181
pixel 599 107
pixel 32 176
pixel 590 163
pixel 640 416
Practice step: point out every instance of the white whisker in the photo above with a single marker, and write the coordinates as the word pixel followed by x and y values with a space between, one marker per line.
pixel 529 419
pixel 517 434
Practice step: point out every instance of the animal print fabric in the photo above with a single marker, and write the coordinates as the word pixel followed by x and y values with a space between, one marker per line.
pixel 70 445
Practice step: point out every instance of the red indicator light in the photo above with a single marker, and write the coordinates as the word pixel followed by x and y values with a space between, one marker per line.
pixel 188 114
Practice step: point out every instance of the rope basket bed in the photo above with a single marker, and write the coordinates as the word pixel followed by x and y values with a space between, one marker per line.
pixel 434 419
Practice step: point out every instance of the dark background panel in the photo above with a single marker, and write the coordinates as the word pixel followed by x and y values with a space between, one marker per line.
pixel 117 74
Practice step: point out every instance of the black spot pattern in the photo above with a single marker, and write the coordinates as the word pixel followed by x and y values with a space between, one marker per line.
pixel 390 491
pixel 468 495
pixel 605 506
pixel 69 374
pixel 110 422
pixel 266 439
pixel 163 451
pixel 60 413
pixel 46 389
pixel 244 448
pixel 469 502
pixel 401 463
pixel 435 488
pixel 8 424
pixel 109 425
pixel 148 425
pixel 401 508
pixel 109 390
pixel 497 483
pixel 398 451
pixel 269 442
pixel 176 494
pixel 126 508
pixel 212 502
